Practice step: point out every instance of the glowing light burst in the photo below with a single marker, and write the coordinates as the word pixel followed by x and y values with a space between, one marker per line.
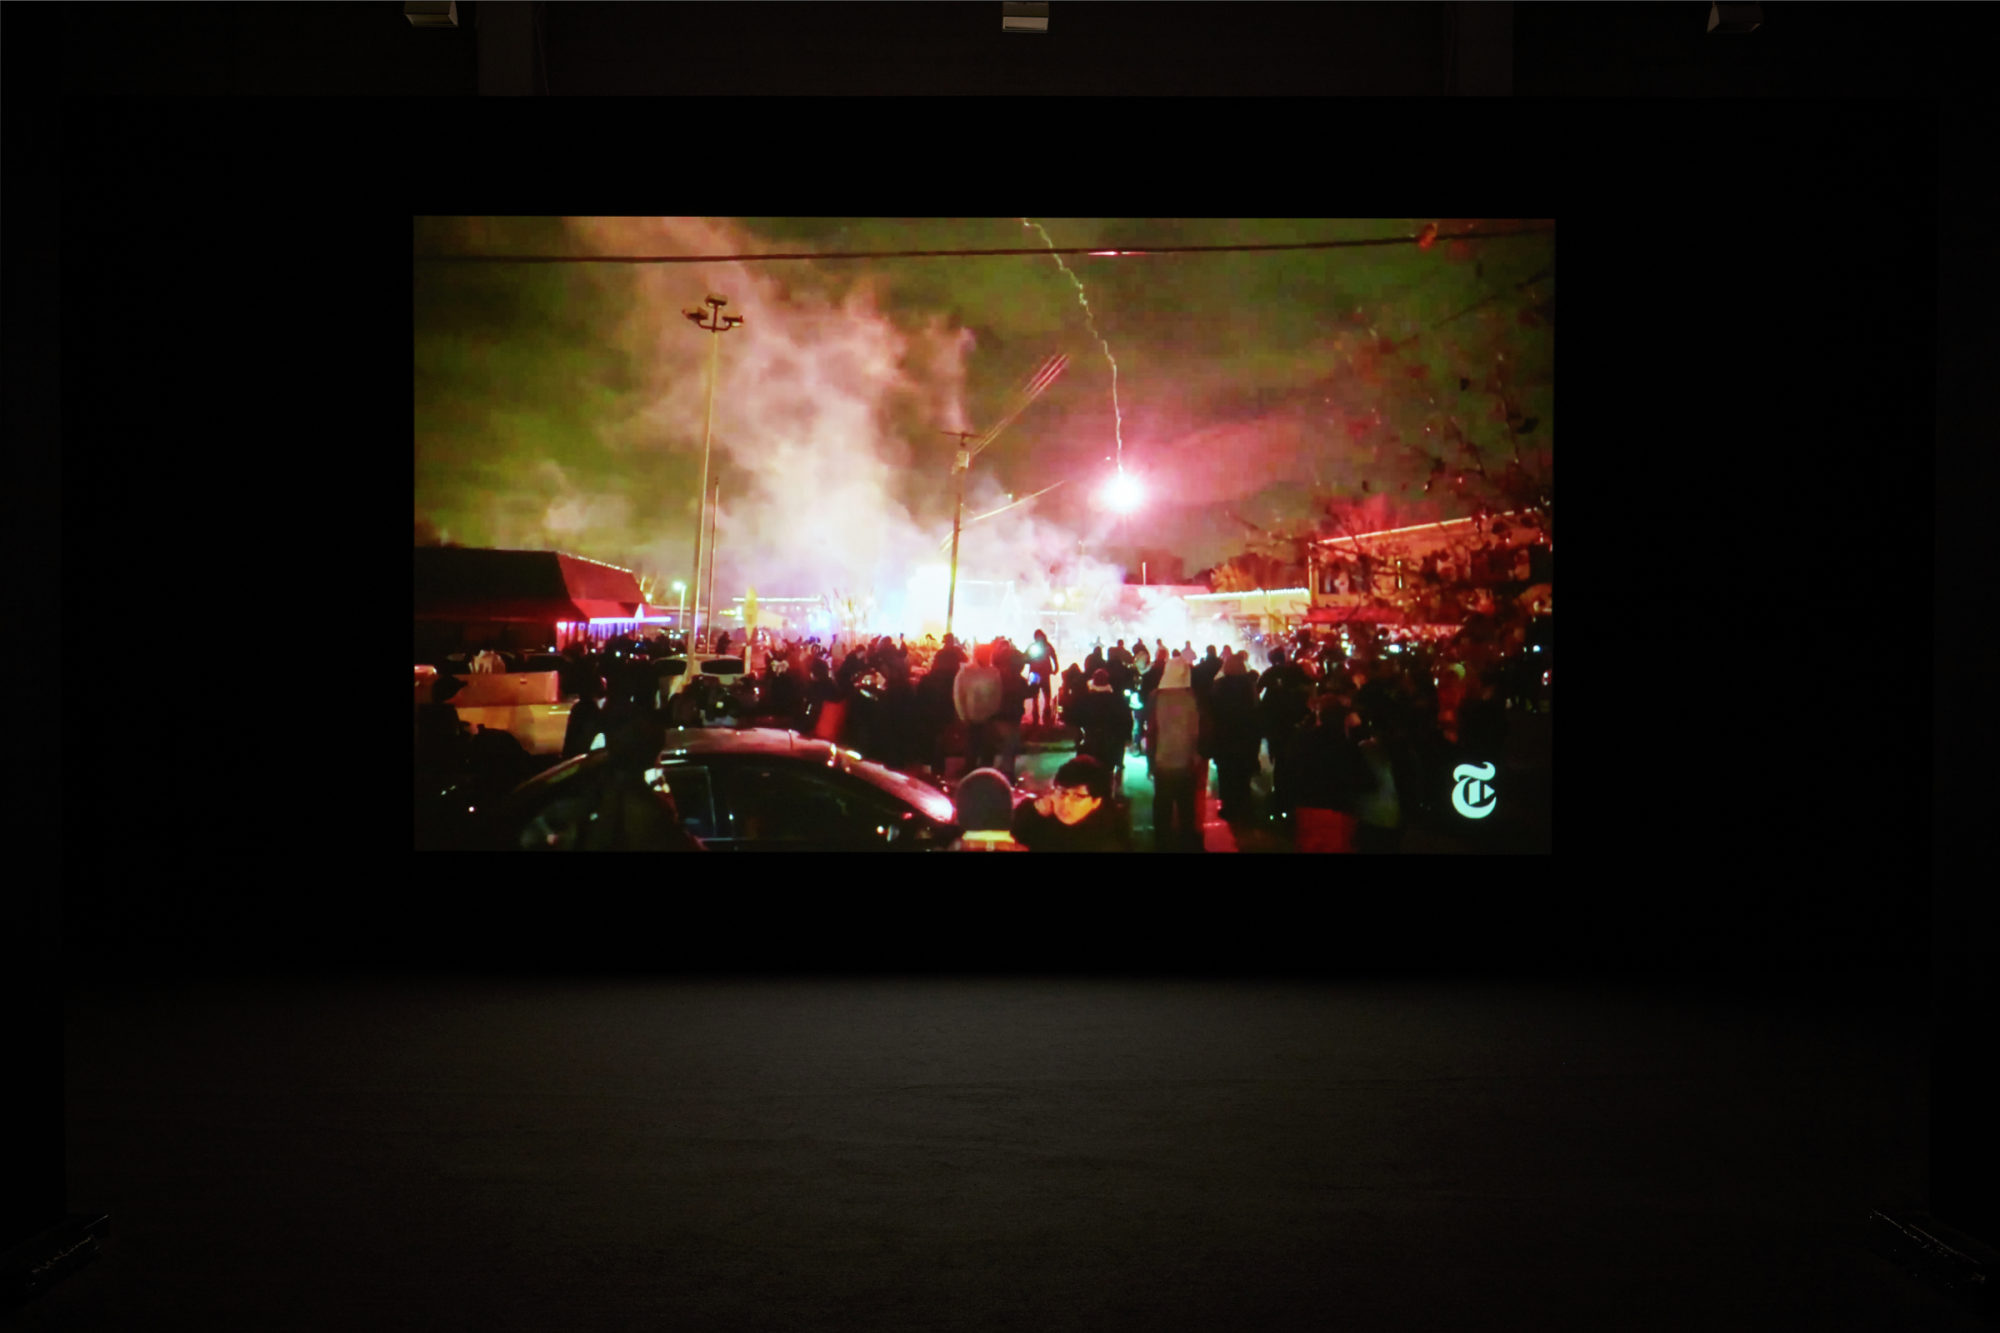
pixel 1117 417
pixel 1122 494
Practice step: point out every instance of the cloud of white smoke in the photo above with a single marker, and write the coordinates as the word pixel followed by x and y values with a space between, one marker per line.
pixel 828 442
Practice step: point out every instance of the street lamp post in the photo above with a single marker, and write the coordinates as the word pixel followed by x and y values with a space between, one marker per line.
pixel 714 517
pixel 680 617
pixel 717 325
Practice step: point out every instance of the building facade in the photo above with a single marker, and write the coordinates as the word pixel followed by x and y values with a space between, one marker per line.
pixel 1435 572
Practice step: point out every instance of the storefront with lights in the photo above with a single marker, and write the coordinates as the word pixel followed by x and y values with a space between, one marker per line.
pixel 466 599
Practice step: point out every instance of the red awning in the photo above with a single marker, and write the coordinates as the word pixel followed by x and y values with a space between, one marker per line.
pixel 539 587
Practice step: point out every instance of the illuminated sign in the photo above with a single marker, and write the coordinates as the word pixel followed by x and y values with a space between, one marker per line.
pixel 1472 790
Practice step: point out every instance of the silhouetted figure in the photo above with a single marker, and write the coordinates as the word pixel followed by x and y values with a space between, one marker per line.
pixel 1331 779
pixel 1233 713
pixel 1075 686
pixel 1043 670
pixel 1107 724
pixel 1282 705
pixel 1012 664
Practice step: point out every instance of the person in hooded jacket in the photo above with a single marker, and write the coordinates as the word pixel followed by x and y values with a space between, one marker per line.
pixel 1075 688
pixel 1175 760
pixel 1107 725
pixel 976 695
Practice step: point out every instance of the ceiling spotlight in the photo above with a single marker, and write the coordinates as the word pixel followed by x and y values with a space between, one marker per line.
pixel 1735 17
pixel 431 13
pixel 1024 17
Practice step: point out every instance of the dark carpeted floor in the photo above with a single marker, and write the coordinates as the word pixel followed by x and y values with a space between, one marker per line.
pixel 288 1157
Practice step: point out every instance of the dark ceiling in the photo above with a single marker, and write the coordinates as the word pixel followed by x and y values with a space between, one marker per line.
pixel 1092 48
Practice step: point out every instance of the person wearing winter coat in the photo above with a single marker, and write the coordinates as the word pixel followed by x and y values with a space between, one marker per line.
pixel 976 695
pixel 1178 766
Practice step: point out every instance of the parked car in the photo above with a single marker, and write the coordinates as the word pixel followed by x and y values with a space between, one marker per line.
pixel 756 789
pixel 717 685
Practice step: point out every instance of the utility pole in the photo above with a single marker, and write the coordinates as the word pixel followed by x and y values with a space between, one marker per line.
pixel 717 325
pixel 961 465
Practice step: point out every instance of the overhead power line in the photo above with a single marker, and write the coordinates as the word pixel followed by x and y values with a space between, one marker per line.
pixel 1135 251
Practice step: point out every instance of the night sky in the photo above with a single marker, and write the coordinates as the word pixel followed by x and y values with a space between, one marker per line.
pixel 561 406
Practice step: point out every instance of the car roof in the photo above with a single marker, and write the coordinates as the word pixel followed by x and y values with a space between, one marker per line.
pixel 742 740
pixel 691 742
pixel 695 742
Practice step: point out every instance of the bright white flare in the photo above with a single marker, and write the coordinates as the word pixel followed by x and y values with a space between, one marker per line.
pixel 1122 494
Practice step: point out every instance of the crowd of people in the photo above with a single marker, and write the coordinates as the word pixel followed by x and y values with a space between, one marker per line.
pixel 1348 737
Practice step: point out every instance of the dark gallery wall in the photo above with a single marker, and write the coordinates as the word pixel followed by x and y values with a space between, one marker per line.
pixel 1867 922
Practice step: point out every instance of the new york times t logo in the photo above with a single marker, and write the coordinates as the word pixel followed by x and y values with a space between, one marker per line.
pixel 1472 793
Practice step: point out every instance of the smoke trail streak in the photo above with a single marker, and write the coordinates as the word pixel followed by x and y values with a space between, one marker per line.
pixel 1117 418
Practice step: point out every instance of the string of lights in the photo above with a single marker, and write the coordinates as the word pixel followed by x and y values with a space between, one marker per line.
pixel 1135 251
